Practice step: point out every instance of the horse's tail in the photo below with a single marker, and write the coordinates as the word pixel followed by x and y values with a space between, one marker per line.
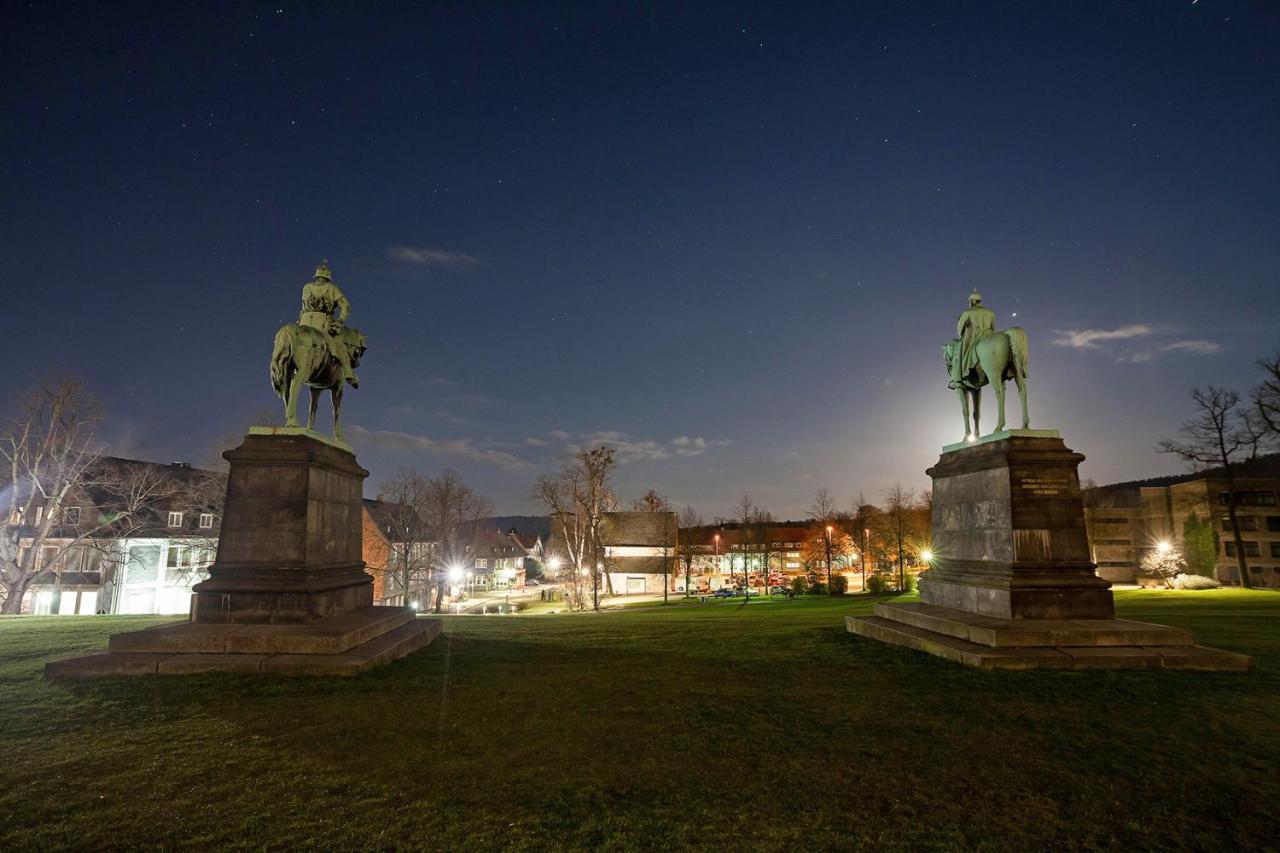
pixel 1018 346
pixel 280 358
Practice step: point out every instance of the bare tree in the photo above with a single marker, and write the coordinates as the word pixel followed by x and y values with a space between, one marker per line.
pixel 1220 436
pixel 452 514
pixel 861 523
pixel 651 501
pixel 686 528
pixel 1266 397
pixel 412 556
pixel 899 504
pixel 823 508
pixel 577 499
pixel 51 455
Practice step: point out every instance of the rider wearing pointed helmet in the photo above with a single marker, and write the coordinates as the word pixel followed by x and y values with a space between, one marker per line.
pixel 974 324
pixel 320 298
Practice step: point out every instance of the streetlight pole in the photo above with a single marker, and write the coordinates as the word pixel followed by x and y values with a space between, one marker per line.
pixel 830 591
pixel 718 557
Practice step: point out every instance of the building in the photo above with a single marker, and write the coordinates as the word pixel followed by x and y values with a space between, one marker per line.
pixel 396 543
pixel 497 561
pixel 1126 521
pixel 640 552
pixel 731 556
pixel 134 540
pixel 637 552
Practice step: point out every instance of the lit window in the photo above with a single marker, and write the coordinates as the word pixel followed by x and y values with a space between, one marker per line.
pixel 206 520
pixel 482 564
pixel 175 519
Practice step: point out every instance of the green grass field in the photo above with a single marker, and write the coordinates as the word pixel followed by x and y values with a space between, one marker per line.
pixel 692 726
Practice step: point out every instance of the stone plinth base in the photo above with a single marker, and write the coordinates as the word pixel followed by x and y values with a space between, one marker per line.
pixel 288 592
pixel 342 645
pixel 993 643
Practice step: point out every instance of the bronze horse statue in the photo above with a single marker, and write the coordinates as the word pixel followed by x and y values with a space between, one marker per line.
pixel 302 357
pixel 1001 356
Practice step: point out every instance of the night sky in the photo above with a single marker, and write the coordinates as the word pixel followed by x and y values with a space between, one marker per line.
pixel 729 238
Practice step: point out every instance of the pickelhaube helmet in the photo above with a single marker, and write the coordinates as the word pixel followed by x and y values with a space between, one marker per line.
pixel 322 271
pixel 975 297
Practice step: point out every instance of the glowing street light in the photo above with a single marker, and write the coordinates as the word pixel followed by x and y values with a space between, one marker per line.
pixel 455 573
pixel 554 564
pixel 1163 547
pixel 926 555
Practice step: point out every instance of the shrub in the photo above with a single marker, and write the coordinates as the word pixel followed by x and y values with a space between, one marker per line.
pixel 876 584
pixel 839 585
pixel 1194 582
pixel 818 588
pixel 908 583
pixel 1163 564
pixel 799 586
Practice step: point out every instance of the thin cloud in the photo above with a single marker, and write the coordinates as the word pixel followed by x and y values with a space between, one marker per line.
pixel 1089 338
pixel 433 257
pixel 1198 346
pixel 628 449
pixel 462 448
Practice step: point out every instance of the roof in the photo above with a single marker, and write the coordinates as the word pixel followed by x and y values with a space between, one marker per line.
pixel 639 528
pixel 392 519
pixel 527 541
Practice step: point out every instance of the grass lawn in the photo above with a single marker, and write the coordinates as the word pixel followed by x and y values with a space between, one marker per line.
pixel 698 725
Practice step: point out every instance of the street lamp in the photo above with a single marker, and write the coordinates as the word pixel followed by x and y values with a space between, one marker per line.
pixel 926 555
pixel 1163 547
pixel 830 591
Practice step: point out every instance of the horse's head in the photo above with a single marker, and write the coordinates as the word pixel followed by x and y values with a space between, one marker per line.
pixel 355 342
pixel 950 352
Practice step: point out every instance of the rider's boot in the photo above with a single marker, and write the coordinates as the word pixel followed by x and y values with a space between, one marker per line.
pixel 350 376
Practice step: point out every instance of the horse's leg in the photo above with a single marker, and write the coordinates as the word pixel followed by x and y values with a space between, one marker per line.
pixel 315 401
pixel 291 405
pixel 999 388
pixel 1022 395
pixel 337 408
pixel 964 407
pixel 977 411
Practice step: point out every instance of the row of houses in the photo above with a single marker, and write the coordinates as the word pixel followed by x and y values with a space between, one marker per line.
pixel 149 565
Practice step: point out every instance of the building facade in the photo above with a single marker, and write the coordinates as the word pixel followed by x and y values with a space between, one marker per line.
pixel 1190 514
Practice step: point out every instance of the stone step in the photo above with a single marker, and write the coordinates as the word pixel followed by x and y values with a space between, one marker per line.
pixel 1046 657
pixel 387 646
pixel 1022 633
pixel 334 635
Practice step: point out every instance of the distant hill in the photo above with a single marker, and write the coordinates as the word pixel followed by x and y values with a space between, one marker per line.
pixel 1266 466
pixel 539 524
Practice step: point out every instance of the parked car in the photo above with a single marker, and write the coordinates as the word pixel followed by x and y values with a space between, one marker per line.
pixel 726 592
pixel 532 583
pixel 779 590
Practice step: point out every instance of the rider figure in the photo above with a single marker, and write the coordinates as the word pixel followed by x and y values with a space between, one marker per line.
pixel 320 298
pixel 974 324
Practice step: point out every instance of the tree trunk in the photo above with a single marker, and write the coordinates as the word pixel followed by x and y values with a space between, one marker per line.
pixel 14 593
pixel 1242 564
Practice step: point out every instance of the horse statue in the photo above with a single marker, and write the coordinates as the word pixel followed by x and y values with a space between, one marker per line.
pixel 1001 356
pixel 302 357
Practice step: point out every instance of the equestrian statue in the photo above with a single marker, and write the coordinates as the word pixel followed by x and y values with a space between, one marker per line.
pixel 979 355
pixel 320 351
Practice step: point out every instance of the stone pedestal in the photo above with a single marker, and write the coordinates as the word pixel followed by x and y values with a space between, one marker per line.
pixel 287 592
pixel 1009 537
pixel 1011 583
pixel 289 548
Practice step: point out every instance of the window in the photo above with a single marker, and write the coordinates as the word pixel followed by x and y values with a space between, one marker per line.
pixel 1275 549
pixel 1273 523
pixel 1266 498
pixel 1251 549
pixel 1247 522
pixel 1109 520
pixel 482 564
pixel 206 520
pixel 71 515
pixel 175 519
